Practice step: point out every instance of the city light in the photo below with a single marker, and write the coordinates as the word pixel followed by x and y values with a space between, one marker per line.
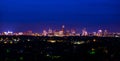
pixel 64 32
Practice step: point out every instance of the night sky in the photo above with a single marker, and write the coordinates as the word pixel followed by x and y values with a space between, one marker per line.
pixel 36 15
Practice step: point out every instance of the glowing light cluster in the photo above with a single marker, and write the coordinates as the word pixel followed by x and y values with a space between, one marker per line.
pixel 8 33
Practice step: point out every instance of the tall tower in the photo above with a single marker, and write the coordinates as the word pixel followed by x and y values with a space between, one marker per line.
pixel 99 33
pixel 63 29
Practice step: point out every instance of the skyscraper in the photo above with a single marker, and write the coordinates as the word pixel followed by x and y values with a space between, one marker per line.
pixel 50 32
pixel 84 32
pixel 44 33
pixel 63 30
pixel 73 32
pixel 99 33
pixel 105 33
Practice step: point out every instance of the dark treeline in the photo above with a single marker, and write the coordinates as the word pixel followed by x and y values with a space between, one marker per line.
pixel 64 49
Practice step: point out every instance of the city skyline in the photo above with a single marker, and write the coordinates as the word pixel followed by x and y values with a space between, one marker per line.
pixel 64 32
pixel 56 28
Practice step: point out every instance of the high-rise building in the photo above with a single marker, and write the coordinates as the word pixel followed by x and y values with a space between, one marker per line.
pixel 84 32
pixel 20 33
pixel 50 32
pixel 105 33
pixel 61 33
pixel 44 33
pixel 8 33
pixel 94 33
pixel 99 33
pixel 73 32
pixel 56 33
pixel 63 27
pixel 67 33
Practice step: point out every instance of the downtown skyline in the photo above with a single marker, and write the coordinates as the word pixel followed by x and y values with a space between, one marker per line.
pixel 64 32
pixel 40 28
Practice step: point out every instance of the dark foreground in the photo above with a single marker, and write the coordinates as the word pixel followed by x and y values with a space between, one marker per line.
pixel 29 48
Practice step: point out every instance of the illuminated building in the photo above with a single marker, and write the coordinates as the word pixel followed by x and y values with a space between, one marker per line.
pixel 36 34
pixel 56 33
pixel 105 33
pixel 44 33
pixel 50 32
pixel 77 34
pixel 99 33
pixel 73 32
pixel 5 33
pixel 8 33
pixel 94 33
pixel 63 29
pixel 61 33
pixel 84 32
pixel 20 33
pixel 67 33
